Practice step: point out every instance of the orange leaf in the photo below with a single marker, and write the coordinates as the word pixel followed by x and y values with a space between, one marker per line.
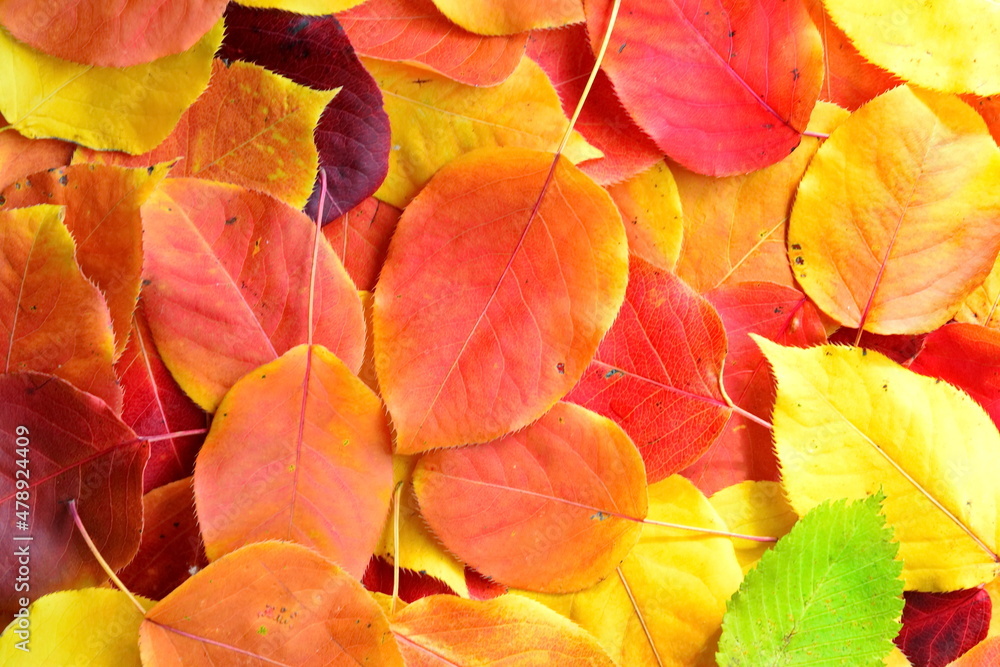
pixel 115 34
pixel 102 213
pixel 299 450
pixel 505 17
pixel 657 371
pixel 250 128
pixel 62 444
pixel 20 155
pixel 486 312
pixel 415 32
pixel 894 223
pixel 722 86
pixel 984 654
pixel 268 603
pixel 734 228
pixel 446 630
pixel 53 319
pixel 540 508
pixel 227 273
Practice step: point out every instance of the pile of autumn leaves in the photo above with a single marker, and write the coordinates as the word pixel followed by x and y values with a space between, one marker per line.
pixel 243 414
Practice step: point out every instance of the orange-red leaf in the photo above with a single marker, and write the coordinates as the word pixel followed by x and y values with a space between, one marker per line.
pixel 779 313
pixel 505 17
pixel 250 128
pixel 20 155
pixel 657 372
pixel 52 319
pixel 722 86
pixel 110 34
pixel 64 444
pixel 102 213
pixel 566 57
pixel 155 405
pixel 540 508
pixel 270 603
pixel 171 549
pixel 486 312
pixel 227 274
pixel 416 32
pixel 444 630
pixel 361 237
pixel 299 450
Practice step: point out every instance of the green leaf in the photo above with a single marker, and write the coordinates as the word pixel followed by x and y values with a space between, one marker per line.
pixel 828 593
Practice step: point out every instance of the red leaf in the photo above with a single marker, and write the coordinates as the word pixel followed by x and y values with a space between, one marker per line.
pixel 722 86
pixel 566 57
pixel 171 549
pixel 784 315
pixel 541 508
pixel 110 34
pixel 155 405
pixel 413 585
pixel 353 133
pixel 64 444
pixel 901 348
pixel 415 31
pixel 657 371
pixel 361 238
pixel 967 356
pixel 940 627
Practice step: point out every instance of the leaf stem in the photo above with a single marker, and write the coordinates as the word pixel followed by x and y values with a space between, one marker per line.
pixel 171 436
pixel 638 614
pixel 749 416
pixel 397 496
pixel 97 554
pixel 817 135
pixel 315 258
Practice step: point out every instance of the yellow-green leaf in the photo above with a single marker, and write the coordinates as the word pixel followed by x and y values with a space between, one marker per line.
pixel 848 422
pixel 680 581
pixel 434 120
pixel 96 627
pixel 130 109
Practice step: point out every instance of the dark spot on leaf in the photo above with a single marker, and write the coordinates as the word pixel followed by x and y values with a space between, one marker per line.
pixel 298 26
pixel 800 261
pixel 150 169
pixel 864 352
pixel 231 220
pixel 732 33
pixel 796 246
pixel 63 180
pixel 146 281
pixel 795 74
pixel 561 368
pixel 177 524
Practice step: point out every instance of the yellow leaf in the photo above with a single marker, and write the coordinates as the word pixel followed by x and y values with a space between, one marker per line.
pixel 680 581
pixel 92 626
pixel 983 305
pixel 434 120
pixel 848 422
pixel 506 17
pixel 754 508
pixel 419 550
pixel 651 208
pixel 130 109
pixel 309 7
pixel 937 44
pixel 895 221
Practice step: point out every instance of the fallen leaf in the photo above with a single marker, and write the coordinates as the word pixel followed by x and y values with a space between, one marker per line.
pixel 982 306
pixel 828 592
pixel 445 630
pixel 848 422
pixel 754 508
pixel 651 210
pixel 380 578
pixel 890 232
pixel 129 109
pixel 64 444
pixel 896 37
pixel 486 338
pixel 20 155
pixel 352 135
pixel 251 128
pixel 416 32
pixel 723 87
pixel 110 34
pixel 227 276
pixel 171 549
pixel 268 603
pixel 55 320
pixel 939 627
pixel 523 111
pixel 541 508
pixel 657 371
pixel 299 450
pixel 361 237
pixel 102 214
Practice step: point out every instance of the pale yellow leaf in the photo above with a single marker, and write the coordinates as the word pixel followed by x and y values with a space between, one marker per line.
pixel 651 209
pixel 754 508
